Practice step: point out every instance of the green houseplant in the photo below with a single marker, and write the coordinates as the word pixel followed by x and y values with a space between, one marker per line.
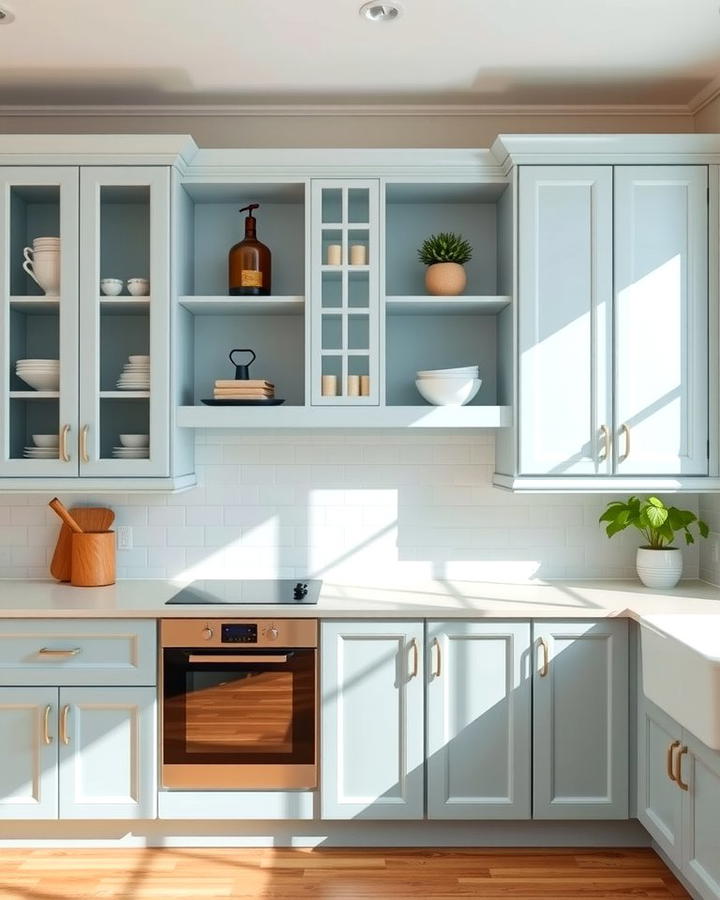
pixel 445 254
pixel 658 563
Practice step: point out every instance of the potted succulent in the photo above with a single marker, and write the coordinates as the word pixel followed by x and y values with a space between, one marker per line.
pixel 659 564
pixel 445 255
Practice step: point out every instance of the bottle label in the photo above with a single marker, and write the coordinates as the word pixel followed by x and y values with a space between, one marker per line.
pixel 251 278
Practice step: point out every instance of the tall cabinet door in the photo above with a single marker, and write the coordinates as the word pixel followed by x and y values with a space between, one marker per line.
pixel 38 321
pixel 659 801
pixel 700 771
pixel 28 737
pixel 661 320
pixel 107 753
pixel 565 314
pixel 478 720
pixel 345 293
pixel 580 720
pixel 124 339
pixel 372 720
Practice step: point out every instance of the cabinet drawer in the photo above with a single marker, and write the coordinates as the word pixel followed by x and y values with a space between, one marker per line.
pixel 77 652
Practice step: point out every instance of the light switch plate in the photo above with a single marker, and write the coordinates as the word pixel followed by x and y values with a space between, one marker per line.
pixel 124 537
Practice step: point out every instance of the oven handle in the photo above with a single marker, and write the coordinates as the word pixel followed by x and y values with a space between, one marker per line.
pixel 209 658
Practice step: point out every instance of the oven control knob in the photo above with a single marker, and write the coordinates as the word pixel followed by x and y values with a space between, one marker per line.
pixel 208 633
pixel 273 633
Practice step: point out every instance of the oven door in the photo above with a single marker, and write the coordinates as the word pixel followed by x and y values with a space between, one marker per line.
pixel 239 720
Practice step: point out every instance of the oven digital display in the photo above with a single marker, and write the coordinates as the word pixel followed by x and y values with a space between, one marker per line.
pixel 239 634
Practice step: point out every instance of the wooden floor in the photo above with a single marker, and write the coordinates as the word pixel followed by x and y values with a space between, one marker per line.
pixel 202 874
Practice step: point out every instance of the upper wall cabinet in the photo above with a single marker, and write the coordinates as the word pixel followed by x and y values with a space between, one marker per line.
pixel 82 361
pixel 612 326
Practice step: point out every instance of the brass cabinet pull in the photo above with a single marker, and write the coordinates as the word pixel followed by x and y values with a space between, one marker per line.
pixel 230 660
pixel 64 736
pixel 83 444
pixel 437 668
pixel 546 657
pixel 671 759
pixel 64 432
pixel 46 651
pixel 625 429
pixel 605 434
pixel 47 738
pixel 416 658
pixel 678 769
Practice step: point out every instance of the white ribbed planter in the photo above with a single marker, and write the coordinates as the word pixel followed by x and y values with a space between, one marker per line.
pixel 659 568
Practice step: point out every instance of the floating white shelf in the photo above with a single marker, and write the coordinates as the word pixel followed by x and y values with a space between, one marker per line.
pixel 124 395
pixel 445 306
pixel 344 417
pixel 34 395
pixel 123 306
pixel 35 305
pixel 247 306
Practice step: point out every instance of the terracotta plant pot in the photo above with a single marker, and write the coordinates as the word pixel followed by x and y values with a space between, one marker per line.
pixel 446 279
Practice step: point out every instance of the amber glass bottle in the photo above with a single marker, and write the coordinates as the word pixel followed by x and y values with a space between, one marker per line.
pixel 249 262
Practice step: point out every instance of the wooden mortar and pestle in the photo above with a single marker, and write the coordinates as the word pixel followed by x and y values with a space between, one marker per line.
pixel 92 553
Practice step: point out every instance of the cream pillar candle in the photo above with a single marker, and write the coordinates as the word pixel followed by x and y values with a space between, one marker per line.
pixel 353 385
pixel 329 386
pixel 364 385
pixel 334 254
pixel 358 255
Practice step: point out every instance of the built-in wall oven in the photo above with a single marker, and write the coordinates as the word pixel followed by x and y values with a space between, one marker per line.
pixel 239 703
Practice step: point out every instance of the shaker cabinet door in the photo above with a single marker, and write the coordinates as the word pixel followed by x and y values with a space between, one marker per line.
pixel 661 320
pixel 700 770
pixel 108 756
pixel 28 737
pixel 580 720
pixel 372 720
pixel 564 319
pixel 478 720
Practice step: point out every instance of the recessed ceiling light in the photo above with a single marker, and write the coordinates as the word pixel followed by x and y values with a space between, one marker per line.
pixel 6 15
pixel 376 11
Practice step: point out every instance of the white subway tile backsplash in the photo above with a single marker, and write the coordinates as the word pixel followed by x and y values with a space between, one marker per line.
pixel 348 507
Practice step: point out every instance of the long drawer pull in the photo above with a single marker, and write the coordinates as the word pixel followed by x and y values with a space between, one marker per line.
pixel 200 658
pixel 47 651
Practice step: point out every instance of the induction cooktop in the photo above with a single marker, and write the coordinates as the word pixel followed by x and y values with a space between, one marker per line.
pixel 249 592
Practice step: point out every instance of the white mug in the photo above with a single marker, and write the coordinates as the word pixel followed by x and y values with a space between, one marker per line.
pixel 43 266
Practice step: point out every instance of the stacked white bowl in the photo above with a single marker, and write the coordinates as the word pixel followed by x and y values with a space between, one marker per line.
pixel 132 446
pixel 135 374
pixel 45 446
pixel 449 387
pixel 41 374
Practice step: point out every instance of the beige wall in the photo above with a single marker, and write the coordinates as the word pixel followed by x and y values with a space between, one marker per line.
pixel 347 131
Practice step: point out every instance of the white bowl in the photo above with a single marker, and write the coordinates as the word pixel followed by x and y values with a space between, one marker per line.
pixel 463 370
pixel 138 287
pixel 48 441
pixel 111 287
pixel 41 381
pixel 448 391
pixel 38 362
pixel 135 440
pixel 139 359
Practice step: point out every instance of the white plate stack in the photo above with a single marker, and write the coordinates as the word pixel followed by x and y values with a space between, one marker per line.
pixel 45 446
pixel 449 387
pixel 135 374
pixel 132 446
pixel 41 374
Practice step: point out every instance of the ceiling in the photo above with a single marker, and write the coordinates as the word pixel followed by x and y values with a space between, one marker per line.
pixel 504 52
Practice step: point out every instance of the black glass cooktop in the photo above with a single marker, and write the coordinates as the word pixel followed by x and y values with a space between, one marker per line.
pixel 249 592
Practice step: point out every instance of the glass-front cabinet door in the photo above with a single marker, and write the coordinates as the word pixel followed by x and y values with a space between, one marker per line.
pixel 38 321
pixel 124 321
pixel 345 296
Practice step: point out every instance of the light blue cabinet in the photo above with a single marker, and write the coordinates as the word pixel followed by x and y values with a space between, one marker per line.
pixel 478 720
pixel 580 720
pixel 107 753
pixel 373 759
pixel 28 737
pixel 699 768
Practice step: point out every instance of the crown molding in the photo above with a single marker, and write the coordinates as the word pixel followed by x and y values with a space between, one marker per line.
pixel 350 110
pixel 705 96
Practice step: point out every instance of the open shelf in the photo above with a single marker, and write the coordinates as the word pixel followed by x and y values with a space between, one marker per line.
pixel 37 306
pixel 124 306
pixel 124 395
pixel 34 395
pixel 344 417
pixel 244 306
pixel 445 306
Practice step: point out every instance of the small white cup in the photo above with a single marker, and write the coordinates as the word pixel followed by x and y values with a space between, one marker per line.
pixel 138 287
pixel 111 287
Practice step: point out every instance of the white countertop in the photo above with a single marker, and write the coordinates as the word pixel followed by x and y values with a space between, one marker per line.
pixel 690 612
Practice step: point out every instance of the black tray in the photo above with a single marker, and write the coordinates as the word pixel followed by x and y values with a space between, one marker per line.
pixel 258 401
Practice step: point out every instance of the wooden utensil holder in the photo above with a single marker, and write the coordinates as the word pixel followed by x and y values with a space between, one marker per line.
pixel 92 559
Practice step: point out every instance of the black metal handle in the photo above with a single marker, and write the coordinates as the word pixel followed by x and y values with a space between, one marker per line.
pixel 242 371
